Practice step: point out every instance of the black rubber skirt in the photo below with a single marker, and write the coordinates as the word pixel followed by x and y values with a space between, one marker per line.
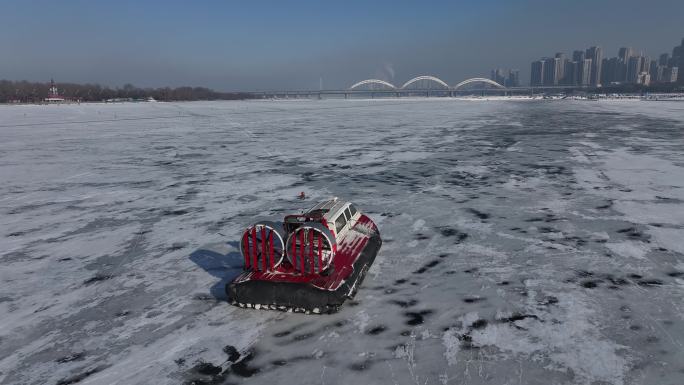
pixel 303 297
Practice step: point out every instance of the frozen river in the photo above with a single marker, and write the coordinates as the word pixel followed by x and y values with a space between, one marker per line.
pixel 525 242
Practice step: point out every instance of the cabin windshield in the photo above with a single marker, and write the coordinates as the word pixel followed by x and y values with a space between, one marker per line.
pixel 340 222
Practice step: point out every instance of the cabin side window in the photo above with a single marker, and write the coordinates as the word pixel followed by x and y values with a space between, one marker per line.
pixel 348 214
pixel 339 223
pixel 352 209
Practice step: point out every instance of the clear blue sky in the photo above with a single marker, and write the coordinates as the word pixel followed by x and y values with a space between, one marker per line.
pixel 249 45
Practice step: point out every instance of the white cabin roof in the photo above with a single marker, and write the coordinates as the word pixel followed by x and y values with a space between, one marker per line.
pixel 329 209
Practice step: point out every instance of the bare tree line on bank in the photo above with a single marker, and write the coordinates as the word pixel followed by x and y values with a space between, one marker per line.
pixel 34 92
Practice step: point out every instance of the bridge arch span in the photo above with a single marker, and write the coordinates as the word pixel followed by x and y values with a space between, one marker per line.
pixel 373 81
pixel 425 77
pixel 478 80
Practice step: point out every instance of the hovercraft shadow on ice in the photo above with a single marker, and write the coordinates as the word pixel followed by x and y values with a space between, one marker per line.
pixel 310 263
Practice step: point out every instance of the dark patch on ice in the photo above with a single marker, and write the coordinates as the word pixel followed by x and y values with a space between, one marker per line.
pixel 616 280
pixel 605 206
pixel 400 281
pixel 546 230
pixel 504 283
pixel 284 333
pixel 177 246
pixel 584 273
pixel 427 266
pixel 232 353
pixel 652 339
pixel 483 216
pixel 635 327
pixel 421 236
pixel 405 333
pixel 308 176
pixel 473 299
pixel 376 330
pixel 466 341
pixel 207 369
pixel 676 274
pixel 122 313
pixel 388 215
pixel 590 284
pixel 404 304
pixel 416 318
pixel 360 366
pixel 340 323
pixel 548 300
pixel 649 282
pixel 242 368
pixel 635 276
pixel 550 169
pixel 517 317
pixel 16 234
pixel 70 358
pixel 471 270
pixel 352 303
pixel 443 255
pixel 479 324
pixel 174 212
pixel 449 272
pixel 302 337
pixel 634 233
pixel 179 361
pixel 451 232
pixel 79 377
pixel 575 239
pixel 97 278
pixel 64 259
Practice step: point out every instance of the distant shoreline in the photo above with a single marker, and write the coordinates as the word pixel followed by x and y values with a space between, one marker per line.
pixel 592 98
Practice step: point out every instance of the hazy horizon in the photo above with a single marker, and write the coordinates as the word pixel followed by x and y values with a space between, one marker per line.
pixel 272 45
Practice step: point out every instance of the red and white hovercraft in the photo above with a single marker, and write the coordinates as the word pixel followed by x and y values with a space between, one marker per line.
pixel 311 262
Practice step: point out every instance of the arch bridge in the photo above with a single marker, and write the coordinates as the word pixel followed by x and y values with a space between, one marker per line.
pixel 429 78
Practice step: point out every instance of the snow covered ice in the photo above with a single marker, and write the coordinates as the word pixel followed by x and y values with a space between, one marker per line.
pixel 525 242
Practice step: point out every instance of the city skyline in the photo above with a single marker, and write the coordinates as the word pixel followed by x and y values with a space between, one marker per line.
pixel 299 45
pixel 591 68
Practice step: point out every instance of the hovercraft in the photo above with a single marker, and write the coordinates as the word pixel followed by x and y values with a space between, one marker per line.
pixel 310 263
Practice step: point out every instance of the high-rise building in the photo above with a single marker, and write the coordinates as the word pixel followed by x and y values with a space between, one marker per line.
pixel 571 73
pixel 634 69
pixel 552 71
pixel 656 71
pixel 560 67
pixel 513 79
pixel 645 64
pixel 498 76
pixel 664 58
pixel 669 74
pixel 508 78
pixel 585 72
pixel 578 56
pixel 596 56
pixel 625 53
pixel 611 70
pixel 537 73
pixel 678 60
